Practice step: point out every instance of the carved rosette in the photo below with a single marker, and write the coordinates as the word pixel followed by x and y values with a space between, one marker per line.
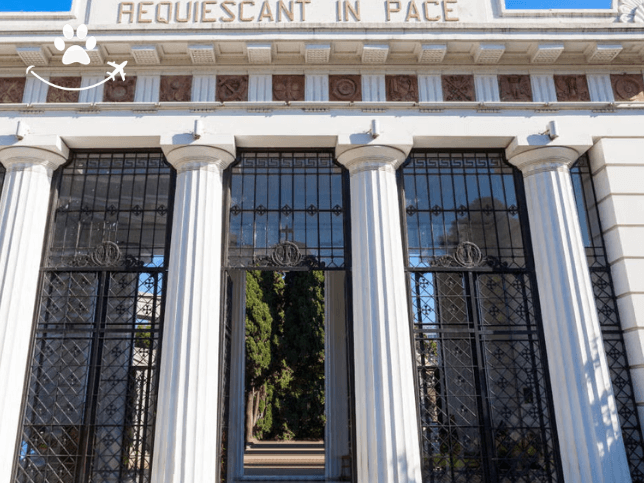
pixel 175 88
pixel 515 88
pixel 231 88
pixel 12 89
pixel 459 88
pixel 345 88
pixel 402 88
pixel 120 90
pixel 631 11
pixel 288 87
pixel 59 95
pixel 628 87
pixel 572 88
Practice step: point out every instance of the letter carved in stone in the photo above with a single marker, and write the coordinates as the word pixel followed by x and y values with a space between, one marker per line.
pixel 12 89
pixel 628 87
pixel 59 95
pixel 402 88
pixel 572 88
pixel 631 11
pixel 288 87
pixel 175 88
pixel 515 88
pixel 345 88
pixel 459 88
pixel 232 88
pixel 120 90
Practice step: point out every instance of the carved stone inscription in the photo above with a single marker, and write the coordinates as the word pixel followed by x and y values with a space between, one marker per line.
pixel 345 88
pixel 459 88
pixel 232 88
pixel 402 88
pixel 628 87
pixel 515 88
pixel 175 88
pixel 119 90
pixel 572 88
pixel 59 95
pixel 288 87
pixel 12 89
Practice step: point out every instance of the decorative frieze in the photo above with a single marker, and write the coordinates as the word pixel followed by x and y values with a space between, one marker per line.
pixel 12 89
pixel 628 87
pixel 317 88
pixel 231 88
pixel 35 91
pixel 373 88
pixel 430 88
pixel 458 88
pixel 91 95
pixel 345 88
pixel 515 88
pixel 120 90
pixel 175 88
pixel 487 88
pixel 59 95
pixel 600 88
pixel 260 88
pixel 543 88
pixel 402 88
pixel 203 88
pixel 572 88
pixel 288 87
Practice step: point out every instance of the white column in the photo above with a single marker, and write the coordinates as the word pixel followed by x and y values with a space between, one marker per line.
pixel 23 218
pixel 592 449
pixel 186 435
pixel 387 448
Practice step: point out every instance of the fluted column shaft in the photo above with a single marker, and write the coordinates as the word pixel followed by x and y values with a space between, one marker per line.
pixel 388 448
pixel 23 218
pixel 186 436
pixel 592 449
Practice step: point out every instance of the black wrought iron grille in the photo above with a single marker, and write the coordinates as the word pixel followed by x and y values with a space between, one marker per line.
pixel 92 381
pixel 609 320
pixel 287 211
pixel 2 171
pixel 483 388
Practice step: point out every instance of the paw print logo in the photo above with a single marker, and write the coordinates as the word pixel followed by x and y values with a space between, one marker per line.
pixel 75 53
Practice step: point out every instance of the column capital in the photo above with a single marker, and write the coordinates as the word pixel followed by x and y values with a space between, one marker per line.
pixel 361 152
pixel 185 153
pixel 49 152
pixel 538 153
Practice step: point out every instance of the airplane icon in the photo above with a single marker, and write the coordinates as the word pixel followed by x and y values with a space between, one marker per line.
pixel 118 69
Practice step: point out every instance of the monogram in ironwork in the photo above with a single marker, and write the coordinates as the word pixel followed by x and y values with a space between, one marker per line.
pixel 466 254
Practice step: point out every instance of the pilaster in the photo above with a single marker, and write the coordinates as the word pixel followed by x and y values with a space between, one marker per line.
pixel 386 423
pixel 186 434
pixel 23 218
pixel 592 449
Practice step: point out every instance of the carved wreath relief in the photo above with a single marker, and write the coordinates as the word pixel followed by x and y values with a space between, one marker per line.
pixel 120 90
pixel 402 88
pixel 572 88
pixel 458 88
pixel 627 87
pixel 231 88
pixel 176 88
pixel 59 95
pixel 631 11
pixel 515 88
pixel 288 87
pixel 345 88
pixel 12 89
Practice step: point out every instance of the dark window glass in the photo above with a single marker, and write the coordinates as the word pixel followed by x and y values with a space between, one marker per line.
pixel 2 171
pixel 92 380
pixel 483 389
pixel 609 320
pixel 287 211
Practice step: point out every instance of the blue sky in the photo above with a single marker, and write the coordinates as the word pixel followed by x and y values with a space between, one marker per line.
pixel 65 5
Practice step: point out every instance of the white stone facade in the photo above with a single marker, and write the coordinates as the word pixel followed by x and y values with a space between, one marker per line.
pixel 545 86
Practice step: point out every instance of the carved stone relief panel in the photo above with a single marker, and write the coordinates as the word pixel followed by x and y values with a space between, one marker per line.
pixel 572 88
pixel 232 88
pixel 288 87
pixel 12 89
pixel 120 90
pixel 628 87
pixel 458 88
pixel 59 95
pixel 515 88
pixel 175 88
pixel 402 88
pixel 345 88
